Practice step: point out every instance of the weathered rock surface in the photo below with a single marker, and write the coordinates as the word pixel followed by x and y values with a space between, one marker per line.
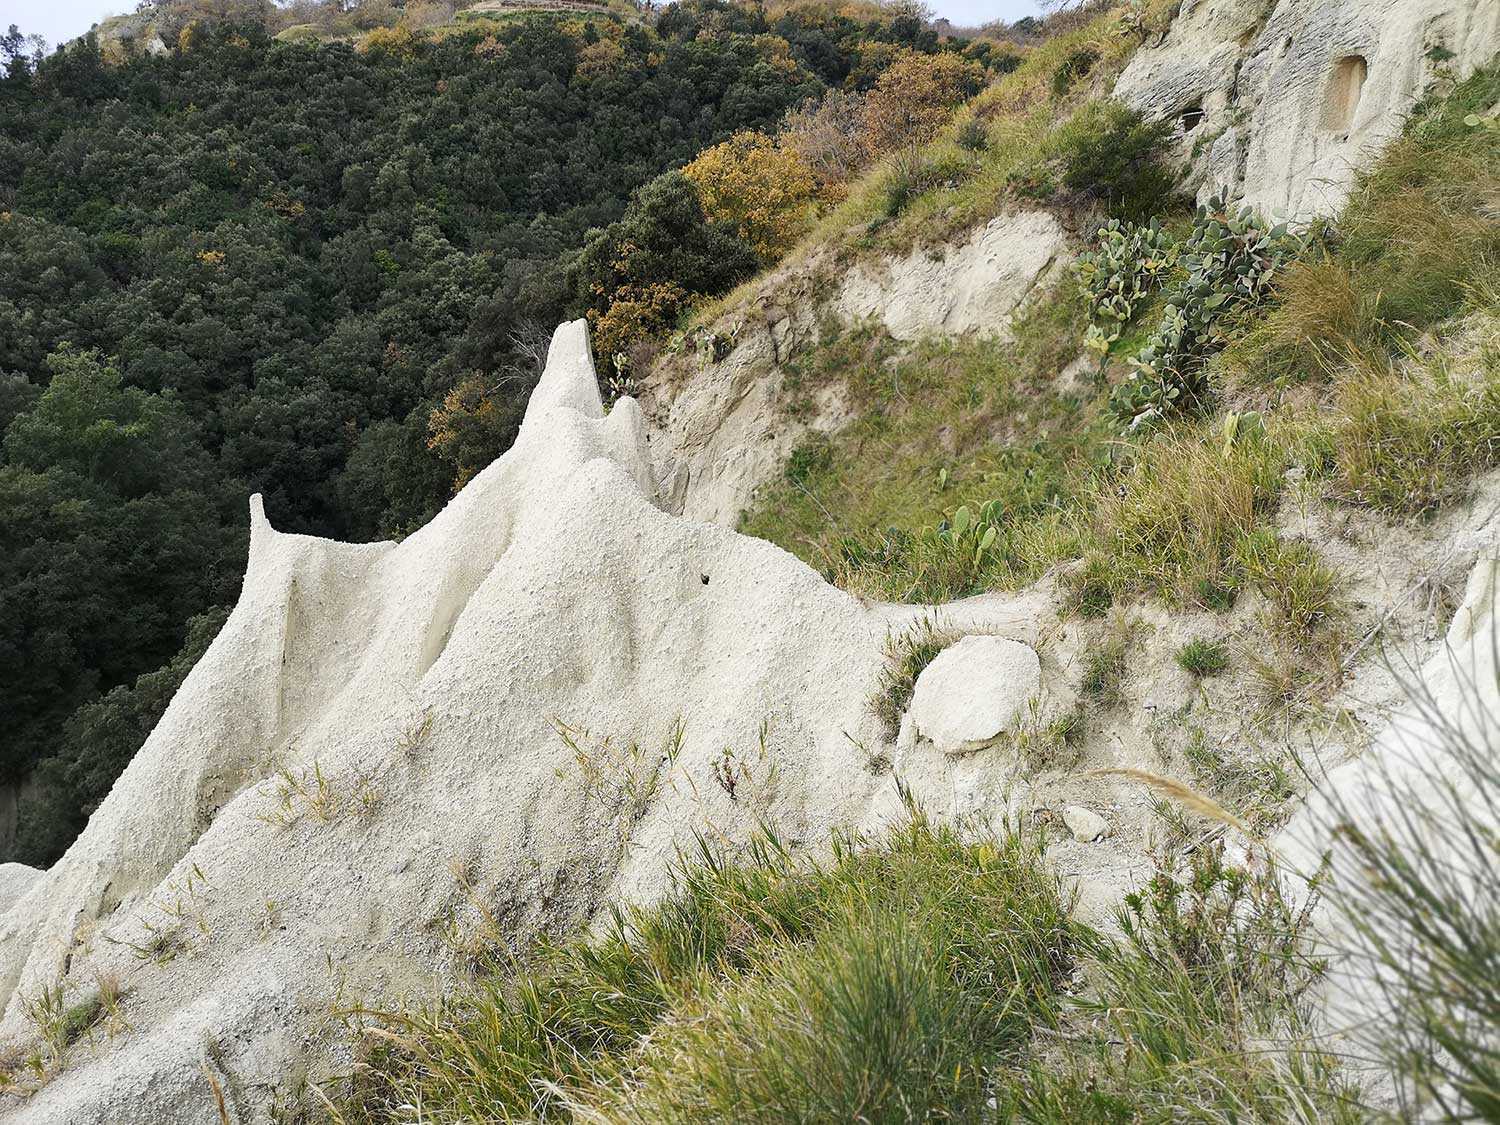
pixel 15 880
pixel 1284 101
pixel 1086 825
pixel 971 287
pixel 1411 783
pixel 724 434
pixel 376 717
pixel 973 692
pixel 725 430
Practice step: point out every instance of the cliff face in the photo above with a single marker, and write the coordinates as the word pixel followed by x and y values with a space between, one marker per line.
pixel 1279 103
pixel 1284 102
pixel 519 714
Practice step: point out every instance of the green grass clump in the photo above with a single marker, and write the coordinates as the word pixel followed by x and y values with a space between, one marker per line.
pixel 1301 587
pixel 954 424
pixel 1408 441
pixel 1203 658
pixel 1170 519
pixel 907 654
pixel 927 976
pixel 1416 240
pixel 1104 671
pixel 881 982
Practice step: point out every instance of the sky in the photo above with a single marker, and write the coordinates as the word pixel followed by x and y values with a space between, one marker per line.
pixel 60 20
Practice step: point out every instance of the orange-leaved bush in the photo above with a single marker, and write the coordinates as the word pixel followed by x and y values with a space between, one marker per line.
pixel 636 313
pixel 473 426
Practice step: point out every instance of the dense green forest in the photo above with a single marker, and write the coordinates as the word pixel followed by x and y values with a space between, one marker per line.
pixel 242 264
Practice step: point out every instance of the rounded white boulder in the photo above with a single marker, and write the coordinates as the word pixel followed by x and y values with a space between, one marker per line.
pixel 974 691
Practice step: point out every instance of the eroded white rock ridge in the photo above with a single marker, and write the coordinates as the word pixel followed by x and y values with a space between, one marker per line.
pixel 377 726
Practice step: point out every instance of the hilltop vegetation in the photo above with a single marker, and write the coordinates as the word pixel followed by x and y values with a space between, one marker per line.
pixel 323 272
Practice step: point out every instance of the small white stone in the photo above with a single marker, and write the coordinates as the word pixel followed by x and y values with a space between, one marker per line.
pixel 1085 824
pixel 974 691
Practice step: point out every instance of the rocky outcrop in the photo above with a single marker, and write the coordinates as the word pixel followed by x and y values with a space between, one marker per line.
pixel 970 288
pixel 508 719
pixel 1282 102
pixel 1427 785
pixel 723 431
pixel 973 692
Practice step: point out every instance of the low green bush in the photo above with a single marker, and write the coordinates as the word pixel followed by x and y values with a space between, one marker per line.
pixel 1114 155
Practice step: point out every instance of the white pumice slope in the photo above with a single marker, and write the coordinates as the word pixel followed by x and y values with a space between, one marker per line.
pixel 371 745
pixel 1412 784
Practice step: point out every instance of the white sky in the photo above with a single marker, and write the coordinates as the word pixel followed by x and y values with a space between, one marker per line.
pixel 60 20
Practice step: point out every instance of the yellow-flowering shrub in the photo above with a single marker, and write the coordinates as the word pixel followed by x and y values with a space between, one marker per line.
pixel 764 190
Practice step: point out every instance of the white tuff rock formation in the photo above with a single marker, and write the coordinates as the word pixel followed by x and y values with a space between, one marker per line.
pixel 532 701
pixel 967 289
pixel 1283 101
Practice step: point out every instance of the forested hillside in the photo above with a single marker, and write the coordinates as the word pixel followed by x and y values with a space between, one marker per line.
pixel 318 271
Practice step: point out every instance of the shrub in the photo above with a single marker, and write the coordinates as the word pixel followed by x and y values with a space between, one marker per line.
pixel 398 42
pixel 1203 658
pixel 473 426
pixel 636 313
pixel 1111 154
pixel 914 97
pixel 663 239
pixel 828 136
pixel 761 189
pixel 1231 262
pixel 1128 265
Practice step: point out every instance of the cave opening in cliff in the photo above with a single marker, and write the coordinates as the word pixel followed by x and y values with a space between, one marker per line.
pixel 1344 88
